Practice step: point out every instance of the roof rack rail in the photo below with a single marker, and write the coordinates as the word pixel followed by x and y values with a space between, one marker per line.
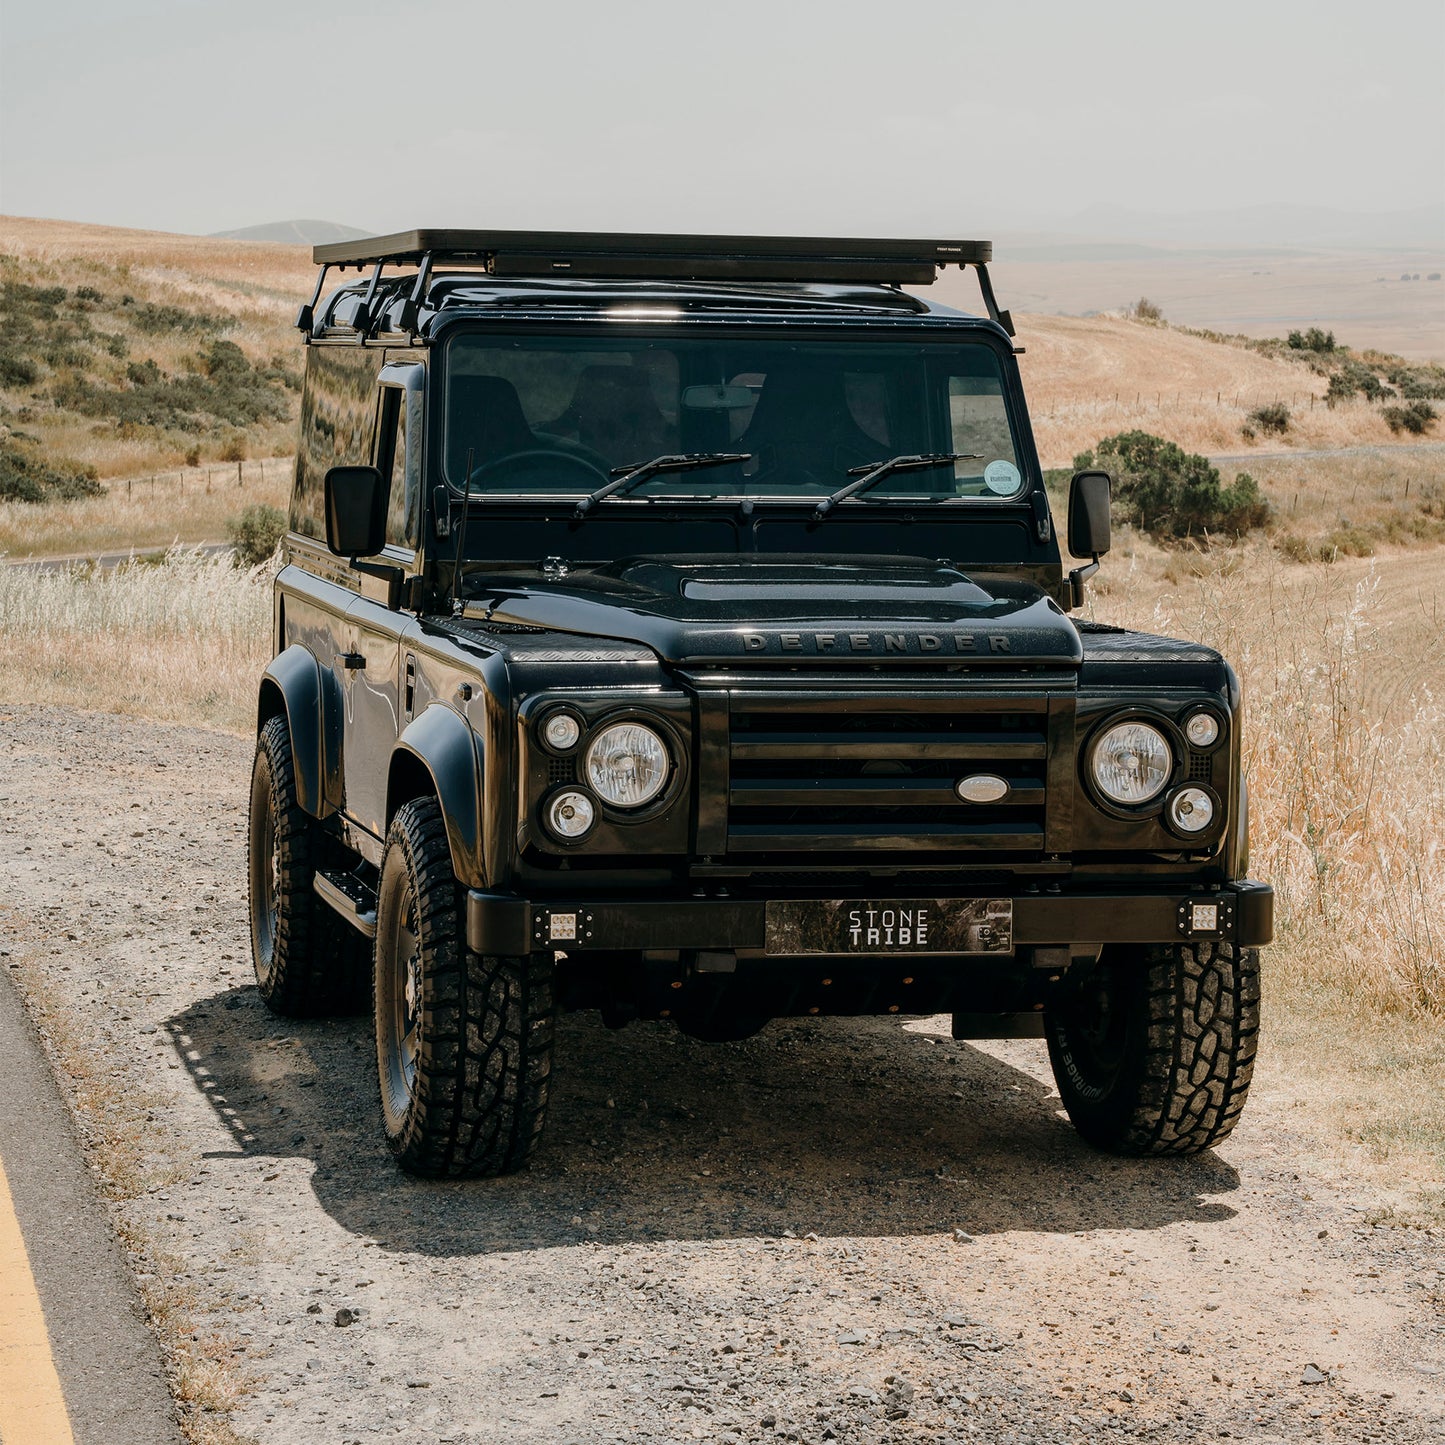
pixel 625 255
pixel 619 255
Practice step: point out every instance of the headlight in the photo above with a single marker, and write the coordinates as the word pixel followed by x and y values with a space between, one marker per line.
pixel 1191 810
pixel 1131 762
pixel 570 815
pixel 627 764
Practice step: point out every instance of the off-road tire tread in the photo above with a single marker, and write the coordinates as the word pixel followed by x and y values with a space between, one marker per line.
pixel 1201 1032
pixel 319 960
pixel 487 1027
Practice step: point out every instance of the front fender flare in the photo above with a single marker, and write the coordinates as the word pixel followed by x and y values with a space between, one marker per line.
pixel 439 753
pixel 296 686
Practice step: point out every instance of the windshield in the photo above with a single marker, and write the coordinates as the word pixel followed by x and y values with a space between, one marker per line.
pixel 560 415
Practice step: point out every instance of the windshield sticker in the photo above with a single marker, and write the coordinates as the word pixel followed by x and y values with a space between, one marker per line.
pixel 1001 477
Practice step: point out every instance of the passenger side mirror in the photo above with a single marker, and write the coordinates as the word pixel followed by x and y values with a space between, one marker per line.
pixel 1089 495
pixel 355 511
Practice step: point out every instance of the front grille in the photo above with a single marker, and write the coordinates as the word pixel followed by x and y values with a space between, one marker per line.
pixel 877 775
pixel 1201 768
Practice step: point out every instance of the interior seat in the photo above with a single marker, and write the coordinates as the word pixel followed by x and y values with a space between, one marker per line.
pixel 484 414
pixel 614 412
pixel 803 423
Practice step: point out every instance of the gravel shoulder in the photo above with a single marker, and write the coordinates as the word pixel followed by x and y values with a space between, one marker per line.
pixel 856 1231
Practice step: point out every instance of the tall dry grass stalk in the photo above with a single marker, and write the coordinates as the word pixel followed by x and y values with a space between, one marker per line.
pixel 1346 774
pixel 184 640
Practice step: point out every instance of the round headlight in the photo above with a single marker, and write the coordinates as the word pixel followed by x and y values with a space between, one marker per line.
pixel 561 731
pixel 1191 810
pixel 570 815
pixel 1131 762
pixel 1202 729
pixel 627 764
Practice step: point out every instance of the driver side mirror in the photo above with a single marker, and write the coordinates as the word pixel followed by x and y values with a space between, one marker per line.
pixel 1089 495
pixel 356 500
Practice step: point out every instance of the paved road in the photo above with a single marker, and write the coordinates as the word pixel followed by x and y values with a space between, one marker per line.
pixel 77 1362
pixel 107 560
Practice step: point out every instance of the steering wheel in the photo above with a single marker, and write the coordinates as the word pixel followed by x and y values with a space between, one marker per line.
pixel 594 473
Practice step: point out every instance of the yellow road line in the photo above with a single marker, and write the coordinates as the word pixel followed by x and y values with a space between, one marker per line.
pixel 32 1407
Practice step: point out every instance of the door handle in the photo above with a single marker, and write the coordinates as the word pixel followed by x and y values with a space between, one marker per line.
pixel 353 661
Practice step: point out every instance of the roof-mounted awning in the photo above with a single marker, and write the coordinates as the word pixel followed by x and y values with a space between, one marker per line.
pixel 678 258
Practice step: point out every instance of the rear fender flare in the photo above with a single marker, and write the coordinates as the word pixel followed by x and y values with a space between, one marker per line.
pixel 439 754
pixel 296 686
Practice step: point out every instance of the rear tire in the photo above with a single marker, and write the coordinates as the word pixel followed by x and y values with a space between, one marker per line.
pixel 308 960
pixel 463 1040
pixel 1154 1053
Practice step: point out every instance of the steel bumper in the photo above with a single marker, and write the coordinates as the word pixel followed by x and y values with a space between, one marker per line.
pixel 1243 913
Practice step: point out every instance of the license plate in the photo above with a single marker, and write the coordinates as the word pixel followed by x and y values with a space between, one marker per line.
pixel 926 925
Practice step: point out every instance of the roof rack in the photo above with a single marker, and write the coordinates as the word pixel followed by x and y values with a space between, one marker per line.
pixel 624 255
pixel 694 258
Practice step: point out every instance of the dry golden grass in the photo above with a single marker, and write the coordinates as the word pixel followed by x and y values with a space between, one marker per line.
pixel 257 286
pixel 147 514
pixel 1344 672
pixel 1090 377
pixel 182 641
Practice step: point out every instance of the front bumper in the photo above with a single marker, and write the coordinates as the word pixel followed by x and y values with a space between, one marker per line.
pixel 1043 922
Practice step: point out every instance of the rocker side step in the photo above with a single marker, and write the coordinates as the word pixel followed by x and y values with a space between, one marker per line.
pixel 351 898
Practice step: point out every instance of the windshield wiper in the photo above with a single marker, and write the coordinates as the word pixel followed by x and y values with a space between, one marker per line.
pixel 874 473
pixel 634 476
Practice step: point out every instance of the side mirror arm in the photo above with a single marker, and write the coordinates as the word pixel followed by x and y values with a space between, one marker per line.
pixel 1077 577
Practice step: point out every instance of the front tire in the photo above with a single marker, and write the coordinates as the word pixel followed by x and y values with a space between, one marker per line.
pixel 308 960
pixel 463 1040
pixel 1153 1053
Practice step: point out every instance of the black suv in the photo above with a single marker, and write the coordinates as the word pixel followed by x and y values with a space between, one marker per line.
pixel 675 626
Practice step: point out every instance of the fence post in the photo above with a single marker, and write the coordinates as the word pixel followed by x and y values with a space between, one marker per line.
pixel 238 471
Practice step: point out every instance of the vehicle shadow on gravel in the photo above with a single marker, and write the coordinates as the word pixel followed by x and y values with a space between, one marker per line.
pixel 837 1127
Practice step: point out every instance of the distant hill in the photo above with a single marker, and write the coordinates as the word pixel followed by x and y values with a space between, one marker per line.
pixel 294 233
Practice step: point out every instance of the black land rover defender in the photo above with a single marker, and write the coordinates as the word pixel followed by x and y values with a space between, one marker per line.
pixel 675 626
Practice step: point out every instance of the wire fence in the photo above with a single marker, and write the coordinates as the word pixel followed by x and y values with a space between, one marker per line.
pixel 219 476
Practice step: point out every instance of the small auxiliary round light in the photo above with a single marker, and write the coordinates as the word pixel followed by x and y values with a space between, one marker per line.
pixel 561 731
pixel 571 815
pixel 1202 729
pixel 1191 810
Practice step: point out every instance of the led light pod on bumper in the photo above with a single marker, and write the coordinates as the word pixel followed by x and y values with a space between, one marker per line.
pixel 627 765
pixel 1131 763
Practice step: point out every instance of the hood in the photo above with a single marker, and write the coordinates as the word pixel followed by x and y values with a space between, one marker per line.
pixel 784 609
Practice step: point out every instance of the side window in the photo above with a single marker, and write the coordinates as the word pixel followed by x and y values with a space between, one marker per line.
pixel 398 458
pixel 338 416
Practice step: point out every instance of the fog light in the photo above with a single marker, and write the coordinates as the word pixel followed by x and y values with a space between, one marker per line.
pixel 1202 729
pixel 561 731
pixel 570 815
pixel 1191 810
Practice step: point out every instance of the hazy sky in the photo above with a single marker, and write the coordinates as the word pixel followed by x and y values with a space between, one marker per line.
pixel 904 116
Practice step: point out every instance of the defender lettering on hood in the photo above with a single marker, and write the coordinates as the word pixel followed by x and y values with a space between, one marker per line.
pixel 691 611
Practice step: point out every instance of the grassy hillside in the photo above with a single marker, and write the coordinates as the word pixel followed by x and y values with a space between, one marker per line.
pixel 126 352
pixel 123 353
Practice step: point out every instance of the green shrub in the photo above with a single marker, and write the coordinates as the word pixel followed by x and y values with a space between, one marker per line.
pixel 1171 493
pixel 26 477
pixel 1312 340
pixel 1416 417
pixel 1354 378
pixel 17 369
pixel 256 533
pixel 1271 418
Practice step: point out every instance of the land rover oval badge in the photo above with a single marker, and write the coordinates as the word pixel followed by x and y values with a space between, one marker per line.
pixel 981 788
